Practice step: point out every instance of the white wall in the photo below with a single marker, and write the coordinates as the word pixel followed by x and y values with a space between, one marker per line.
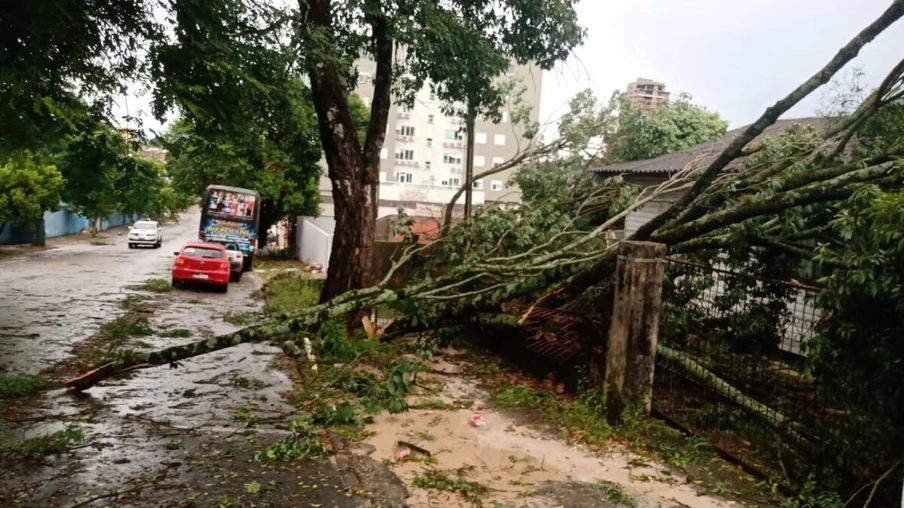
pixel 315 240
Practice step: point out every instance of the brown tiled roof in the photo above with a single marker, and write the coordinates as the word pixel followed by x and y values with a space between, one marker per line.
pixel 702 153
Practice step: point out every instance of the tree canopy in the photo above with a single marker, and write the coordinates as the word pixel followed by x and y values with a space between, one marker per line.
pixel 29 185
pixel 643 133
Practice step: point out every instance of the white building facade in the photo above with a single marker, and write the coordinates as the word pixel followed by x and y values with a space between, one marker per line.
pixel 423 156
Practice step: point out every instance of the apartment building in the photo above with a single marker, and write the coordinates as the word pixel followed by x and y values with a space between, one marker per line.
pixel 647 93
pixel 423 156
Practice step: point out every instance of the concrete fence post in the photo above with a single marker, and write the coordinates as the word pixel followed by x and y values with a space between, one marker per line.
pixel 633 331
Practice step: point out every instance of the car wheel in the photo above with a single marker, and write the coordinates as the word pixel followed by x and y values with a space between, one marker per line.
pixel 175 283
pixel 131 245
pixel 238 276
pixel 224 288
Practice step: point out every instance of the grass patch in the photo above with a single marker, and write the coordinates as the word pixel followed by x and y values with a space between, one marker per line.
pixel 133 303
pixel 240 318
pixel 100 242
pixel 49 444
pixel 194 301
pixel 581 419
pixel 123 327
pixel 301 443
pixel 155 286
pixel 295 292
pixel 176 333
pixel 247 383
pixel 438 480
pixel 16 386
pixel 615 493
pixel 433 404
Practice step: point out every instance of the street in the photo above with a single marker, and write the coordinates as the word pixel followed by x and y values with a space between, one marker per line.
pixel 166 435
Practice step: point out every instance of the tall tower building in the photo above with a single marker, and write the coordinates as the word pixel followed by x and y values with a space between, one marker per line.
pixel 647 93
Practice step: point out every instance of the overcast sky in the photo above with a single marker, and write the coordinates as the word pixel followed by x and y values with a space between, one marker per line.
pixel 736 57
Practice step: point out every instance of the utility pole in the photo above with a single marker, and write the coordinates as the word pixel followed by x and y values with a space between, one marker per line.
pixel 469 159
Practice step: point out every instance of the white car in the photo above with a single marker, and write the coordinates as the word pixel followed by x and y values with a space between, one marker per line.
pixel 236 261
pixel 145 232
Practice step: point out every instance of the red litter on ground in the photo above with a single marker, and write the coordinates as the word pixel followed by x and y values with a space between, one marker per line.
pixel 401 454
pixel 477 420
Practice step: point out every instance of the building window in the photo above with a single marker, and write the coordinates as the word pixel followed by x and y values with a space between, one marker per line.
pixel 427 165
pixel 499 139
pixel 405 155
pixel 403 177
pixel 505 117
pixel 405 130
pixel 429 141
pixel 452 182
pixel 478 184
pixel 453 134
pixel 497 161
pixel 366 101
pixel 496 185
pixel 429 118
pixel 480 138
pixel 405 108
pixel 432 95
pixel 451 159
pixel 480 161
pixel 384 153
pixel 364 77
pixel 382 176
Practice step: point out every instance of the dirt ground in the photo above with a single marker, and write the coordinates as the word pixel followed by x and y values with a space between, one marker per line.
pixel 518 462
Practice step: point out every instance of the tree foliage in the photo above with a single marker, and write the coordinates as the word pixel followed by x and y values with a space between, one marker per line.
pixel 29 185
pixel 643 133
pixel 57 53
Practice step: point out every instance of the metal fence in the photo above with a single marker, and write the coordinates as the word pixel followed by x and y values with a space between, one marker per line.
pixel 731 362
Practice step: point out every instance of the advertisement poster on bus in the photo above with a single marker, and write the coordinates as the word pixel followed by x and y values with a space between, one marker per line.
pixel 231 204
pixel 226 231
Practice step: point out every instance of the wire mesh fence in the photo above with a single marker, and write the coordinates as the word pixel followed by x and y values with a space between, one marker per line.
pixel 731 365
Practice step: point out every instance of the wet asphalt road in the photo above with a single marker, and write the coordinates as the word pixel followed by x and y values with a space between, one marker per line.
pixel 174 432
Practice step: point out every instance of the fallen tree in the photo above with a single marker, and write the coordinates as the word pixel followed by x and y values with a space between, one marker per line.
pixel 553 250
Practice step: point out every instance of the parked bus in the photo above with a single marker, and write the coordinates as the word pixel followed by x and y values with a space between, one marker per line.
pixel 231 215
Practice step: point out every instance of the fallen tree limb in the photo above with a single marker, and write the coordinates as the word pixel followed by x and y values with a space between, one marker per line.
pixel 767 414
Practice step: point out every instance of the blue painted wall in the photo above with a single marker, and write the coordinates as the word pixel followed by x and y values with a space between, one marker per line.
pixel 60 223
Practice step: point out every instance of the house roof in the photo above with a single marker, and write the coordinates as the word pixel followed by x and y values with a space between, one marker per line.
pixel 702 153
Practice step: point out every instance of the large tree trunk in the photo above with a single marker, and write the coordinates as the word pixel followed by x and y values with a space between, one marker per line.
pixel 352 257
pixel 353 170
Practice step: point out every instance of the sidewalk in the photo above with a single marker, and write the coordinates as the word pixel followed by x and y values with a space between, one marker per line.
pixel 60 241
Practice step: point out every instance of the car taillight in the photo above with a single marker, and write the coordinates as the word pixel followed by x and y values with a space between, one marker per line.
pixel 180 261
pixel 224 266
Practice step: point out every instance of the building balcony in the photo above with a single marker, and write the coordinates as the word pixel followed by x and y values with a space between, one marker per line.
pixel 402 162
pixel 453 144
pixel 400 137
pixel 403 114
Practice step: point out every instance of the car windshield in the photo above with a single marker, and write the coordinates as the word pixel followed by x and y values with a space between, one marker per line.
pixel 201 252
pixel 144 225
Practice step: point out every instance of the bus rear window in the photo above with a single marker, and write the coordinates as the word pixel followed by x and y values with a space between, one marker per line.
pixel 232 204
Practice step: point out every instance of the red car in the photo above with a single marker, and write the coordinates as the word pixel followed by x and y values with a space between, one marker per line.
pixel 204 263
